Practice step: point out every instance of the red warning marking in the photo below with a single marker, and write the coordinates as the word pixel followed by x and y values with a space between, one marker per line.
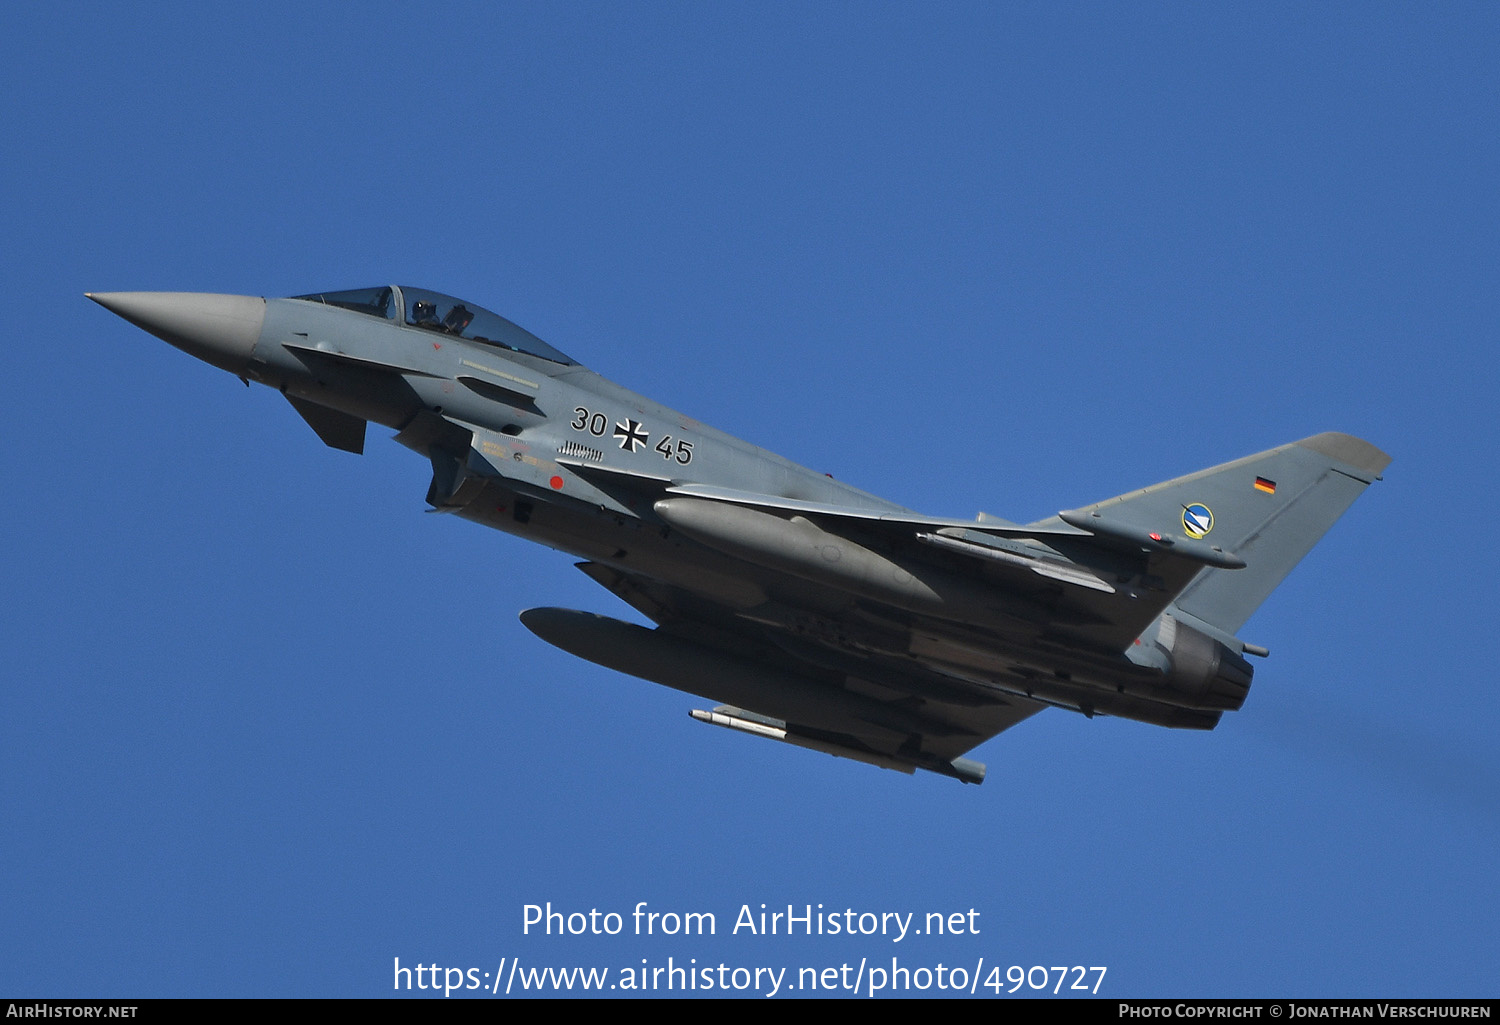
pixel 556 483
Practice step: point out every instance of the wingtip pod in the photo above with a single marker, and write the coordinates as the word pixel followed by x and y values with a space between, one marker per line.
pixel 1151 540
pixel 1349 450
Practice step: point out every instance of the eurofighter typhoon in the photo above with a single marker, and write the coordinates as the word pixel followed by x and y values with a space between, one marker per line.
pixel 818 615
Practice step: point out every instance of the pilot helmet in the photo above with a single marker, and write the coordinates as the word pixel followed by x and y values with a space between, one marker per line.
pixel 423 310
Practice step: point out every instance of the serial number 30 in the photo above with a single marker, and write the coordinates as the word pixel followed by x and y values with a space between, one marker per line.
pixel 595 423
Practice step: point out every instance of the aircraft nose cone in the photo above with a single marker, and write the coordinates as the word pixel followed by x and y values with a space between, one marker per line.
pixel 218 329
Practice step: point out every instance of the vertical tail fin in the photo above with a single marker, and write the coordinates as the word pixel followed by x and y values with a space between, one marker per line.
pixel 1296 494
pixel 1269 509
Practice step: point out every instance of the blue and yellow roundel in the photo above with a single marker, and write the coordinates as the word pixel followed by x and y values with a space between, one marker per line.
pixel 1197 519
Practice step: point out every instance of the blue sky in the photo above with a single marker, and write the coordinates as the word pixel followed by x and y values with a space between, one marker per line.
pixel 266 726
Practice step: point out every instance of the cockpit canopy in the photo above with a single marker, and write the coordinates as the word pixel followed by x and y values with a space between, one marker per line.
pixel 443 314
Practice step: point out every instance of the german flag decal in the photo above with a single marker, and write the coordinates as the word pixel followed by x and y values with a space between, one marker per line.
pixel 1268 486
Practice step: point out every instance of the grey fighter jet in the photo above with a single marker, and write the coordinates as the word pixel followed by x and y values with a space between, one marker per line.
pixel 818 614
